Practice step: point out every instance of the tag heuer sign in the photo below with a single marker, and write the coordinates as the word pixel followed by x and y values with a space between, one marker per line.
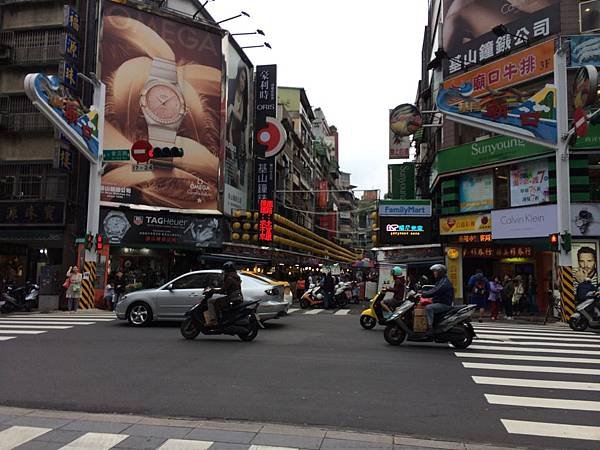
pixel 138 220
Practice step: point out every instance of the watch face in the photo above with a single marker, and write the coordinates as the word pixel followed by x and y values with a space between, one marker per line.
pixel 116 225
pixel 163 103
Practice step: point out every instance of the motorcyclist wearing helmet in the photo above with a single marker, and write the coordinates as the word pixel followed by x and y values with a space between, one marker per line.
pixel 232 288
pixel 398 290
pixel 442 295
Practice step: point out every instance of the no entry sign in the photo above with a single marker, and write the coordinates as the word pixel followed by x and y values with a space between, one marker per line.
pixel 140 151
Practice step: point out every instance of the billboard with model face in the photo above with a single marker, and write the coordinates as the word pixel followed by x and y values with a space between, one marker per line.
pixel 164 85
pixel 468 38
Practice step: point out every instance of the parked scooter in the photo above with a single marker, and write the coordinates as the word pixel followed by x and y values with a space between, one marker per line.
pixel 20 298
pixel 343 294
pixel 453 326
pixel 315 297
pixel 239 319
pixel 587 313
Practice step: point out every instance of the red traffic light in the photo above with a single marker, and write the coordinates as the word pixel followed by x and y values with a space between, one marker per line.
pixel 555 242
pixel 99 242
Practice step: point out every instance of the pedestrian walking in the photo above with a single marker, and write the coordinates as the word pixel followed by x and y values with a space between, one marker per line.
pixel 478 286
pixel 328 290
pixel 518 294
pixel 507 297
pixel 118 284
pixel 74 279
pixel 109 293
pixel 531 295
pixel 495 297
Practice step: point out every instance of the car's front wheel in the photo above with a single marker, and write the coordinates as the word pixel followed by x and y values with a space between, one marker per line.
pixel 139 314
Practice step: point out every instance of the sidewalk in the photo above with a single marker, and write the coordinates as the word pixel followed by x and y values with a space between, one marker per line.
pixel 30 429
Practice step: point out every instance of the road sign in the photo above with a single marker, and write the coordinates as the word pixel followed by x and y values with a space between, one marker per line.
pixel 144 167
pixel 116 155
pixel 140 151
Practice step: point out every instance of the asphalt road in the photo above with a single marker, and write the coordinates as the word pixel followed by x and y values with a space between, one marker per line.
pixel 303 369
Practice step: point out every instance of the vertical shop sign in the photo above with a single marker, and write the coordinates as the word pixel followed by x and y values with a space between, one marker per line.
pixel 401 180
pixel 529 184
pixel 266 106
pixel 454 265
pixel 322 195
pixel 265 220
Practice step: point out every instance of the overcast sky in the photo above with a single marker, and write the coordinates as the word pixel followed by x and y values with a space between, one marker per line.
pixel 356 60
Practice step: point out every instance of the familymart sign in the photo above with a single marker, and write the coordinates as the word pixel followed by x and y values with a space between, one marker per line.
pixel 405 208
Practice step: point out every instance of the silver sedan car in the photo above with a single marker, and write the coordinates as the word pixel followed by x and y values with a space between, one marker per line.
pixel 171 301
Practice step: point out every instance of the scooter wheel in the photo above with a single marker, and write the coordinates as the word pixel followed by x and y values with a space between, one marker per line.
pixel 578 324
pixel 252 332
pixel 304 304
pixel 463 343
pixel 394 335
pixel 367 322
pixel 189 328
pixel 342 303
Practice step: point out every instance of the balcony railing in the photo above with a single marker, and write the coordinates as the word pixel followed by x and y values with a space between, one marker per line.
pixel 19 122
pixel 33 46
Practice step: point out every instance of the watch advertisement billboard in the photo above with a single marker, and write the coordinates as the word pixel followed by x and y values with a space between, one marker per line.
pixel 238 129
pixel 404 230
pixel 468 38
pixel 529 183
pixel 476 191
pixel 265 100
pixel 584 257
pixel 164 85
pixel 140 227
pixel 585 219
pixel 518 223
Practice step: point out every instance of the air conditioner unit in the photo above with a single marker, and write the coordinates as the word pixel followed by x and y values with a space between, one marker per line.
pixel 589 16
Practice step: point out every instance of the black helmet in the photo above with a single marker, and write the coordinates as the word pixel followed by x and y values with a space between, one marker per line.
pixel 228 267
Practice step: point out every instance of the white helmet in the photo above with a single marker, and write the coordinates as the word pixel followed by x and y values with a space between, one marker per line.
pixel 438 268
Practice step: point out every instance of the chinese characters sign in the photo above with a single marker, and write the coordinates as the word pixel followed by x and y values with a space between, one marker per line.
pixel 498 252
pixel 471 238
pixel 404 230
pixel 32 213
pixel 529 184
pixel 468 37
pixel 471 223
pixel 71 19
pixel 265 220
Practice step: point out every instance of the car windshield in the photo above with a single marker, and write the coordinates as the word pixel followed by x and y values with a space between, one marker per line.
pixel 263 278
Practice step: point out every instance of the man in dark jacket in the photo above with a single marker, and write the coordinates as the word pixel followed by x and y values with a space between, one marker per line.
pixel 328 290
pixel 442 295
pixel 232 288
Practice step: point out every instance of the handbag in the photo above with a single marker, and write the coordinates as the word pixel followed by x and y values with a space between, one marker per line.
pixel 67 283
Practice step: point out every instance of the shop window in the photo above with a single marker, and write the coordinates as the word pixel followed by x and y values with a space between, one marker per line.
pixel 7 188
pixel 30 186
pixel 595 178
pixel 56 187
pixel 192 281
pixel 501 187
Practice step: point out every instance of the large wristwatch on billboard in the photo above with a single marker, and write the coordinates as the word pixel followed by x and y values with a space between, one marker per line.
pixel 116 226
pixel 162 103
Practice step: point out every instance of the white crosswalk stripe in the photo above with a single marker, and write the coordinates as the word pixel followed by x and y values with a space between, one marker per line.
pixel 14 436
pixel 314 311
pixel 551 368
pixel 341 312
pixel 95 441
pixel 185 444
pixel 33 324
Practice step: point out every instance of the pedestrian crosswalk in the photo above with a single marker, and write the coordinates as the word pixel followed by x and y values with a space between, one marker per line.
pixel 334 312
pixel 540 372
pixel 19 325
pixel 16 436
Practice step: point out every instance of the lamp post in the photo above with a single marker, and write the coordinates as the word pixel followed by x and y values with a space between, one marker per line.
pixel 265 44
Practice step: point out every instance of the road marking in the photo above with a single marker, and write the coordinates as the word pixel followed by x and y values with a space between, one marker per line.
pixel 538 402
pixel 293 310
pixel 523 368
pixel 540 384
pixel 547 328
pixel 314 311
pixel 6 338
pixel 61 319
pixel 534 350
pixel 38 327
pixel 96 441
pixel 185 444
pixel 545 344
pixel 527 357
pixel 269 447
pixel 14 436
pixel 558 430
pixel 40 322
pixel 547 335
pixel 21 332
pixel 341 312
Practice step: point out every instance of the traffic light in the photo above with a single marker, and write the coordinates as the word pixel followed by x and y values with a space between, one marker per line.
pixel 565 242
pixel 165 152
pixel 89 241
pixel 555 242
pixel 99 242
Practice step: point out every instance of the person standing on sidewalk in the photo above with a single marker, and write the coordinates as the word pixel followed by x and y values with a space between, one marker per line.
pixel 74 290
pixel 495 297
pixel 518 294
pixel 478 286
pixel 507 297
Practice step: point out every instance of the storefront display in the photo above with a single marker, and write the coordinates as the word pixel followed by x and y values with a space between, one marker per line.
pixel 529 183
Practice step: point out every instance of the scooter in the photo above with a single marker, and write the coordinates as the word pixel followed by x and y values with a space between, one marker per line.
pixel 313 297
pixel 373 315
pixel 343 294
pixel 453 326
pixel 587 313
pixel 20 299
pixel 239 319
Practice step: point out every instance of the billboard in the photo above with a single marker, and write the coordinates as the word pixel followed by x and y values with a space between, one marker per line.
pixel 405 208
pixel 238 130
pixel 468 224
pixel 265 99
pixel 584 257
pixel 404 230
pixel 530 183
pixel 401 180
pixel 468 37
pixel 164 85
pixel 518 223
pixel 476 191
pixel 585 50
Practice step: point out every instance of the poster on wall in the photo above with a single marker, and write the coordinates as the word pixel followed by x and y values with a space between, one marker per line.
pixel 584 256
pixel 529 184
pixel 476 192
pixel 164 86
pixel 585 219
pixel 468 37
pixel 238 133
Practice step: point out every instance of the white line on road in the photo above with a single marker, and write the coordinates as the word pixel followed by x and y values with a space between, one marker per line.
pixel 269 447
pixel 185 444
pixel 534 350
pixel 539 402
pixel 527 357
pixel 547 328
pixel 314 311
pixel 61 319
pixel 539 384
pixel 38 327
pixel 14 436
pixel 593 337
pixel 6 338
pixel 21 332
pixel 524 368
pixel 541 341
pixel 95 441
pixel 558 430
pixel 341 312
pixel 293 310
pixel 40 322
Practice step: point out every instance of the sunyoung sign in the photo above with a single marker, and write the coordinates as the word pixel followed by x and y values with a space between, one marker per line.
pixel 409 208
pixel 516 223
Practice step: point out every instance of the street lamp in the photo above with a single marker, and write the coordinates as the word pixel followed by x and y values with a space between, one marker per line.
pixel 265 44
pixel 242 13
pixel 261 32
pixel 440 55
pixel 501 30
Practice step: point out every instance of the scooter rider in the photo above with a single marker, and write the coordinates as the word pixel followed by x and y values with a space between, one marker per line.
pixel 442 295
pixel 398 290
pixel 232 288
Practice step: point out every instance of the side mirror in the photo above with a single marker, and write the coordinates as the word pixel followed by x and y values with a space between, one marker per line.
pixel 170 286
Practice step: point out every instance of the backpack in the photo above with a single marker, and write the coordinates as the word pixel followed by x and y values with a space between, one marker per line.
pixel 479 288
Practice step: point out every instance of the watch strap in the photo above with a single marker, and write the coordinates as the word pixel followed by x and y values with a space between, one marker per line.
pixel 160 136
pixel 164 70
